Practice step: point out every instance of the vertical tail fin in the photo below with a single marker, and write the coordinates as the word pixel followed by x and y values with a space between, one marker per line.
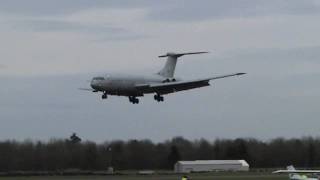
pixel 170 66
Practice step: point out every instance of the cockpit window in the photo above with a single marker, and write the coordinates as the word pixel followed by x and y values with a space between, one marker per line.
pixel 98 78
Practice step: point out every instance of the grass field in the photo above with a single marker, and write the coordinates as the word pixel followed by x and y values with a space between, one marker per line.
pixel 209 176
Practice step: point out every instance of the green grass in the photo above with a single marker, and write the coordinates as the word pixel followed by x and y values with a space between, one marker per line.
pixel 205 176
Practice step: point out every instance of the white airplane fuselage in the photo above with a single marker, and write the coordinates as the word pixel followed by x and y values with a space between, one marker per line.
pixel 125 85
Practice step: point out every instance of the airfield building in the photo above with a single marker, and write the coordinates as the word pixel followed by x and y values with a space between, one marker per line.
pixel 210 165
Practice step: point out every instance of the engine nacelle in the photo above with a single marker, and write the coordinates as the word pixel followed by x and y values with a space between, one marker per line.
pixel 169 80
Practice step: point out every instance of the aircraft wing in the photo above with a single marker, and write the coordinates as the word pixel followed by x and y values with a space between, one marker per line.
pixel 297 171
pixel 171 87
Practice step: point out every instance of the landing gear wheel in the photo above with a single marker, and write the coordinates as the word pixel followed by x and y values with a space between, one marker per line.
pixel 104 96
pixel 133 100
pixel 158 97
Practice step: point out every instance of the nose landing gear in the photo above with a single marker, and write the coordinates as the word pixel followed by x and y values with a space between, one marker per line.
pixel 158 97
pixel 104 95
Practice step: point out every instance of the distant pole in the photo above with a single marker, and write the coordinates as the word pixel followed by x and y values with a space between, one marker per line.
pixel 110 152
pixel 110 168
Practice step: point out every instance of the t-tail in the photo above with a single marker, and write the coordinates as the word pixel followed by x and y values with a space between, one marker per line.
pixel 170 66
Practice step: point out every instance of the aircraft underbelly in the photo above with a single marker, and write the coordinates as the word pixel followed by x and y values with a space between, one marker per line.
pixel 122 89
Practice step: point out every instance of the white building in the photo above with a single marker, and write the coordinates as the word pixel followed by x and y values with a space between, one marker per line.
pixel 211 165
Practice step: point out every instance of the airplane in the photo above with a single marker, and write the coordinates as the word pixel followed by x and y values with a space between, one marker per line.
pixel 162 83
pixel 300 174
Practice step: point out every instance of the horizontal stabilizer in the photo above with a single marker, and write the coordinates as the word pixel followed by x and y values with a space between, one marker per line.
pixel 176 55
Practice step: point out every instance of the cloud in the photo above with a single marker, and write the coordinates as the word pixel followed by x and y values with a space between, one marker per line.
pixel 99 23
pixel 168 10
pixel 271 72
pixel 50 25
pixel 62 7
pixel 216 9
pixel 96 32
pixel 47 7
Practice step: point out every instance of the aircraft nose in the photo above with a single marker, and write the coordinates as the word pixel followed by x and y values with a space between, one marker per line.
pixel 93 84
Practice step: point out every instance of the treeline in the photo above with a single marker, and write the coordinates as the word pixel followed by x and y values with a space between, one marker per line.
pixel 145 154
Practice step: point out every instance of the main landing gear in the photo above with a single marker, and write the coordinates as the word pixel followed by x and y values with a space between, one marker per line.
pixel 104 95
pixel 133 100
pixel 158 97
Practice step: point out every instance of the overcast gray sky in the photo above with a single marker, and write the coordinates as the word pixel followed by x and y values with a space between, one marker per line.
pixel 50 48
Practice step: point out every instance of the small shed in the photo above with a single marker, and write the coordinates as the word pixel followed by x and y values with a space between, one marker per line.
pixel 210 165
